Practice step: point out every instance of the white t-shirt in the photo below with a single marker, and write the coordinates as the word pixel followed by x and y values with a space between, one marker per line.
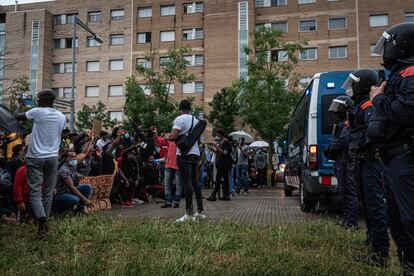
pixel 45 138
pixel 183 123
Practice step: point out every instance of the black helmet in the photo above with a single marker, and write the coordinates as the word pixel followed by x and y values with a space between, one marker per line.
pixel 359 82
pixel 397 44
pixel 341 105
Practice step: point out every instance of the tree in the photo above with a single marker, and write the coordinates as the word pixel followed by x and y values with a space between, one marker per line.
pixel 158 108
pixel 86 115
pixel 225 106
pixel 271 90
pixel 19 86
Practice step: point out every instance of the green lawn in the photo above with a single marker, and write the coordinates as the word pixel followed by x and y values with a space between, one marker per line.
pixel 94 245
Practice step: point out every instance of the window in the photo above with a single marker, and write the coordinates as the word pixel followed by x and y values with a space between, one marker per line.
pixel 144 37
pixel 117 15
pixel 94 16
pixel 270 3
pixel 164 60
pixel 63 19
pixel 144 12
pixel 144 62
pixel 115 116
pixel 409 17
pixel 371 53
pixel 61 68
pixel 191 34
pixel 67 93
pixel 307 25
pixel 167 36
pixel 117 39
pixel 70 18
pixel 306 1
pixel 116 65
pixel 195 60
pixel 282 26
pixel 92 66
pixel 304 82
pixel 195 7
pixel 91 42
pixel 338 52
pixel 115 90
pixel 167 10
pixel 67 67
pixel 145 88
pixel 297 127
pixel 282 55
pixel 62 43
pixel 193 87
pixel 308 54
pixel 378 20
pixel 337 23
pixel 171 89
pixel 91 91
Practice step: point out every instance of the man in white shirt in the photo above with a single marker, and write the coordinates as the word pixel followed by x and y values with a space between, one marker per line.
pixel 42 155
pixel 188 162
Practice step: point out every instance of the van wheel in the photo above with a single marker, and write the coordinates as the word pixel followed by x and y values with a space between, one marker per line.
pixel 288 191
pixel 307 201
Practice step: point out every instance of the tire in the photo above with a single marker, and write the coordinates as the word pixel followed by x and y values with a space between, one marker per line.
pixel 307 201
pixel 288 191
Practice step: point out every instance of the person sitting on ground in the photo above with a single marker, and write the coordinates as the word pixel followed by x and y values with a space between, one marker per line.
pixel 150 188
pixel 68 191
pixel 21 194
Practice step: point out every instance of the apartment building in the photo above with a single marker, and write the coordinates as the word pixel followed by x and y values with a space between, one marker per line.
pixel 38 39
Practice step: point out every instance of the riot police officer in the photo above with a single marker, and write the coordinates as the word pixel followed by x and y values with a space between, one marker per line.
pixel 367 168
pixel 338 150
pixel 394 128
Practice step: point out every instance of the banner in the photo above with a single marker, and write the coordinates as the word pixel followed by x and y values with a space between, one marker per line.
pixel 101 190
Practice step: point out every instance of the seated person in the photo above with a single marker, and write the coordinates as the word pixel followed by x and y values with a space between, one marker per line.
pixel 69 194
pixel 21 194
pixel 149 186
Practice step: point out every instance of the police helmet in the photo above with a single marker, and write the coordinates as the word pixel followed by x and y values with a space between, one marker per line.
pixel 359 82
pixel 341 105
pixel 397 43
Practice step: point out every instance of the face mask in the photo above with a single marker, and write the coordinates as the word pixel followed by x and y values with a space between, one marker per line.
pixel 73 163
pixel 126 135
pixel 114 152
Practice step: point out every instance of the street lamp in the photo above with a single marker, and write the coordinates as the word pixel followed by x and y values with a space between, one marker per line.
pixel 77 21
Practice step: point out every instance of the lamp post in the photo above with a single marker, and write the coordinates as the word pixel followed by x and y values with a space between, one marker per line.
pixel 77 21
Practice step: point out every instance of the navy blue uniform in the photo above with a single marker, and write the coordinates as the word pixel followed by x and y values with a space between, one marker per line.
pixel 369 175
pixel 344 174
pixel 397 104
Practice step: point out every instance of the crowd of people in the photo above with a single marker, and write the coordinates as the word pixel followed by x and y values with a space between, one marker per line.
pixel 41 173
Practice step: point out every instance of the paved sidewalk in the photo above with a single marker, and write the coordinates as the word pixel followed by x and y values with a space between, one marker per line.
pixel 260 206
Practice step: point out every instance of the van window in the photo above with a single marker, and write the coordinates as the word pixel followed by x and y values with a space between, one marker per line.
pixel 297 129
pixel 328 120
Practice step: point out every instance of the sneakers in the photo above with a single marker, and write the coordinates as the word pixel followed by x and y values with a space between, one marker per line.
pixel 199 216
pixel 137 201
pixel 185 218
pixel 176 205
pixel 127 204
pixel 166 205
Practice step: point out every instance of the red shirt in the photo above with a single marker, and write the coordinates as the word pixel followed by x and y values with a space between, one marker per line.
pixel 21 191
pixel 171 162
pixel 162 143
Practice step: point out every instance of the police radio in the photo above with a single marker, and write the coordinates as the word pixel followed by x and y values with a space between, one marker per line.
pixel 381 77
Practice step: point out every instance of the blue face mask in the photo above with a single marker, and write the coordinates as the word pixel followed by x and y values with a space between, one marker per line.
pixel 114 152
pixel 126 135
pixel 73 163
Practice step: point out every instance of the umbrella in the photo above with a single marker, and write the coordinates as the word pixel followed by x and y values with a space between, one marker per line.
pixel 259 144
pixel 241 134
pixel 8 123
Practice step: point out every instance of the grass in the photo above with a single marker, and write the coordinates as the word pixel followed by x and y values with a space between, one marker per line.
pixel 94 245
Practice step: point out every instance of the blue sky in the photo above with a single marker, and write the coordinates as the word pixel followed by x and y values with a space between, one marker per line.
pixel 11 2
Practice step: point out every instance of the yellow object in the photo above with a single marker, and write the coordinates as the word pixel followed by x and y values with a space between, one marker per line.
pixel 14 140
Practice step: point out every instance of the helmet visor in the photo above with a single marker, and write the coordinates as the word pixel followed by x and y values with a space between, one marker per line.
pixel 337 106
pixel 349 92
pixel 379 47
pixel 349 81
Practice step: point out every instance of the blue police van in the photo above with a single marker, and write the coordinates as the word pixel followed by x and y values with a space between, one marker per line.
pixel 309 133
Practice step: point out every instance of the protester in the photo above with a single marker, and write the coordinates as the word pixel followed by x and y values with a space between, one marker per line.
pixel 171 175
pixel 21 195
pixel 260 162
pixel 150 187
pixel 130 168
pixel 42 154
pixel 242 167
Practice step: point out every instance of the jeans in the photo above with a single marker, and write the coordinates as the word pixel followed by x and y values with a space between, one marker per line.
pixel 374 203
pixel 231 180
pixel 170 176
pixel 242 174
pixel 188 165
pixel 66 201
pixel 41 175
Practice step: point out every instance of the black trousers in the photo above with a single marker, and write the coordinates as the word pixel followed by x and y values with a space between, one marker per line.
pixel 222 179
pixel 188 165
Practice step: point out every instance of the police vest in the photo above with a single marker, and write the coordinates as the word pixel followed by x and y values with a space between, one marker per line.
pixel 358 125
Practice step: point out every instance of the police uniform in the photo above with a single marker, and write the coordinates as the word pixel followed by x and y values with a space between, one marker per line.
pixel 368 170
pixel 396 121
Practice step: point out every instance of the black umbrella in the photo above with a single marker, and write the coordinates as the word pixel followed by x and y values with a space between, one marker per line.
pixel 9 124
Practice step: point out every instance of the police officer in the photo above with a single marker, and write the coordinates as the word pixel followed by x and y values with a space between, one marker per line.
pixel 338 150
pixel 367 168
pixel 395 102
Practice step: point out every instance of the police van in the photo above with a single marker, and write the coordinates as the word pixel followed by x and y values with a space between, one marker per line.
pixel 309 133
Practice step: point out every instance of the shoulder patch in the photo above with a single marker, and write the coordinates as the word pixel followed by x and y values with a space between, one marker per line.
pixel 366 105
pixel 407 72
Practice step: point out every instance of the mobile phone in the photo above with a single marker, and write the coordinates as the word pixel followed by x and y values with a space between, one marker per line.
pixel 381 77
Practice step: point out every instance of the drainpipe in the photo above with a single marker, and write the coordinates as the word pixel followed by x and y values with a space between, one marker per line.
pixel 357 31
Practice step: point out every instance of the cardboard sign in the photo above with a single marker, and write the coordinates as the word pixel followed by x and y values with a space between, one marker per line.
pixel 96 126
pixel 101 190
